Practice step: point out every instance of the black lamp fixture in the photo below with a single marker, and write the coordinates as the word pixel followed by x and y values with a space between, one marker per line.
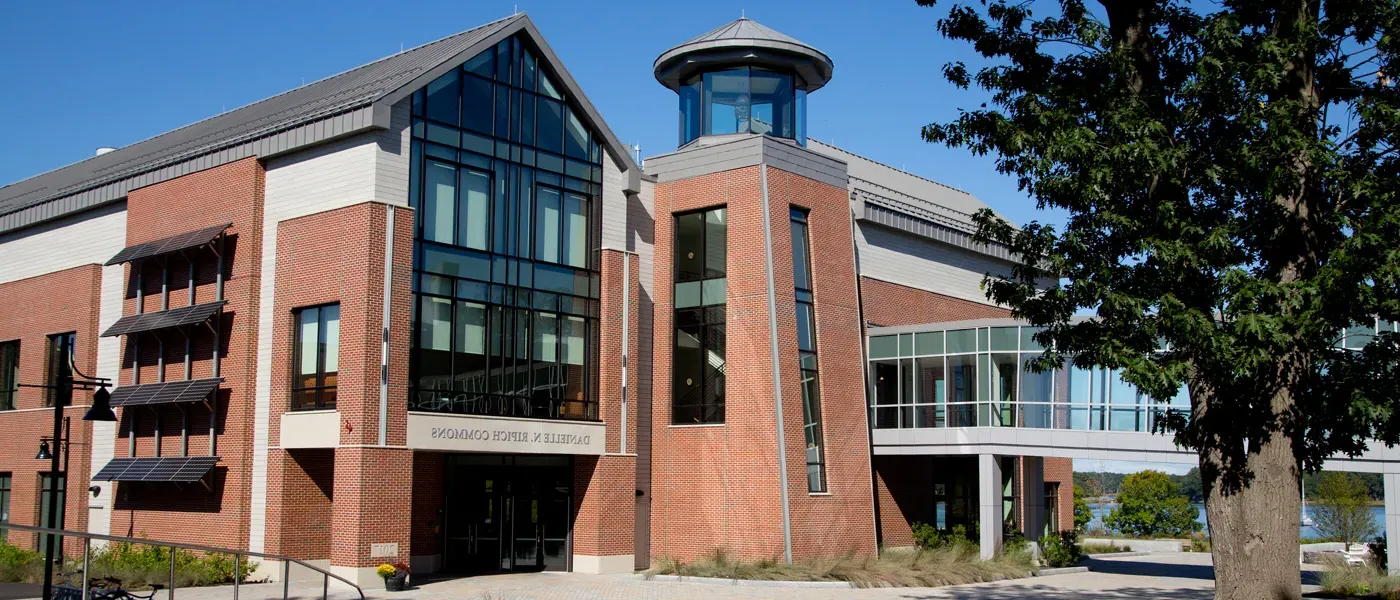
pixel 44 453
pixel 101 409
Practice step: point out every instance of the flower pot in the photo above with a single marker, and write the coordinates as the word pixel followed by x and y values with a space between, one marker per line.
pixel 396 583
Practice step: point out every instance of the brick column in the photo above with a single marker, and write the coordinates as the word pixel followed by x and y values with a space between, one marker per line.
pixel 604 521
pixel 370 522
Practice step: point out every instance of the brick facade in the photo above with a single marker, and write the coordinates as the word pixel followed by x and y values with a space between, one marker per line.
pixel 889 304
pixel 35 308
pixel 216 515
pixel 717 486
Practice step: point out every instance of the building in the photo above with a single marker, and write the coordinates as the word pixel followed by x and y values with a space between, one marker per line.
pixel 524 351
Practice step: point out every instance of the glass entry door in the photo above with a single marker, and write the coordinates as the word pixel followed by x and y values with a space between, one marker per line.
pixel 505 513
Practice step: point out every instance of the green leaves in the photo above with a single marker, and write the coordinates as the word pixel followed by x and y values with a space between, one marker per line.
pixel 1232 179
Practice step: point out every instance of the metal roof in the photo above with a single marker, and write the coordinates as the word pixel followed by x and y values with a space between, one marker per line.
pixel 346 103
pixel 744 42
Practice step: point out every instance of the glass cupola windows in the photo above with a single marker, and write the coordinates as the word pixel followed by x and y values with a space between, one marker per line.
pixel 743 78
pixel 742 100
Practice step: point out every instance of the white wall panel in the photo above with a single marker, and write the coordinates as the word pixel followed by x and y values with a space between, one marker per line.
pixel 84 239
pixel 615 212
pixel 334 176
pixel 391 157
pixel 896 257
pixel 104 434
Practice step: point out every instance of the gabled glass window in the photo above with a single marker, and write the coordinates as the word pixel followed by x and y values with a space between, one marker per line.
pixel 506 188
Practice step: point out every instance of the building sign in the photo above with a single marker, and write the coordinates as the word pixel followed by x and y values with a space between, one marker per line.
pixel 432 431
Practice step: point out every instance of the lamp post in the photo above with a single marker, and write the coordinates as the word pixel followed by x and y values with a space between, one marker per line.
pixel 101 410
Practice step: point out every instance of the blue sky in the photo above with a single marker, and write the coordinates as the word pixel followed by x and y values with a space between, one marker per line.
pixel 84 75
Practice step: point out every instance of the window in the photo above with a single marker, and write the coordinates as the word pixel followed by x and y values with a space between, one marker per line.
pixel 700 258
pixel 316 356
pixel 60 369
pixel 5 482
pixel 45 483
pixel 807 353
pixel 700 337
pixel 1052 508
pixel 9 374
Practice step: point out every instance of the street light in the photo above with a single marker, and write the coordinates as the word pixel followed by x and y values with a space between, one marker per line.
pixel 44 453
pixel 101 410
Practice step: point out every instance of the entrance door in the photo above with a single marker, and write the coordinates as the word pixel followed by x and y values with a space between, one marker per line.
pixel 507 515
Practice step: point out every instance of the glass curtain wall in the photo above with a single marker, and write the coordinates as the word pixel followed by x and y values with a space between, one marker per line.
pixel 981 378
pixel 697 392
pixel 505 177
pixel 807 352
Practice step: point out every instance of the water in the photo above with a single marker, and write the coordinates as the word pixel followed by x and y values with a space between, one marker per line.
pixel 1101 509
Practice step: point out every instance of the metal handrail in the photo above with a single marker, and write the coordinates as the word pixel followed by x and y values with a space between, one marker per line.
pixel 237 554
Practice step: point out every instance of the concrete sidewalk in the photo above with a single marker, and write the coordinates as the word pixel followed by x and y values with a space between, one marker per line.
pixel 1159 576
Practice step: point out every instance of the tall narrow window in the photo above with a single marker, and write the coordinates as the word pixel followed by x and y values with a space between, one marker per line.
pixel 56 522
pixel 699 353
pixel 60 369
pixel 9 373
pixel 317 357
pixel 4 503
pixel 807 352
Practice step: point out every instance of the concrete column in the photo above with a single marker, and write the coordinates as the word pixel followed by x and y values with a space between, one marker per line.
pixel 989 502
pixel 1392 521
pixel 1033 497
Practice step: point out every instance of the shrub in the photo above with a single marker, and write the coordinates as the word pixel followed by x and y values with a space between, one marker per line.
pixel 19 564
pixel 1151 505
pixel 929 537
pixel 1109 548
pixel 1061 550
pixel 1379 553
pixel 139 565
pixel 1199 542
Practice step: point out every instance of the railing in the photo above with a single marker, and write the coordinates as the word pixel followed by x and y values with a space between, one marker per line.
pixel 238 556
pixel 1030 415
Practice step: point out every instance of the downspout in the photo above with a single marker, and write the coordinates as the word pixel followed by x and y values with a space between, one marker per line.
pixel 384 326
pixel 777 375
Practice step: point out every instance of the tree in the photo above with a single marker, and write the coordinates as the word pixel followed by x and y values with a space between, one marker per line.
pixel 1150 505
pixel 1082 514
pixel 1343 508
pixel 1229 173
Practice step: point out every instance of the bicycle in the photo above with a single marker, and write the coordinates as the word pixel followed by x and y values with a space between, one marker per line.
pixel 67 591
pixel 100 588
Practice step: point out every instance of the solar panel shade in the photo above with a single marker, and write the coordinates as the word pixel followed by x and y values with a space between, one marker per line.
pixel 178 469
pixel 175 317
pixel 182 241
pixel 169 392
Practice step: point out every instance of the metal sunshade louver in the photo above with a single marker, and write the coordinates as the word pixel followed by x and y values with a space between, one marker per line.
pixel 169 392
pixel 182 241
pixel 175 317
pixel 177 469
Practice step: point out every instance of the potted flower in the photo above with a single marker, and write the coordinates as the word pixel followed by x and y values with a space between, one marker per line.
pixel 395 576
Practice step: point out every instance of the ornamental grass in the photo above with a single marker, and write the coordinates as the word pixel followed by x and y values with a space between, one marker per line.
pixel 951 565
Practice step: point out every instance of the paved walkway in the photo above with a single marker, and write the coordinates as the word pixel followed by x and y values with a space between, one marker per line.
pixel 1177 576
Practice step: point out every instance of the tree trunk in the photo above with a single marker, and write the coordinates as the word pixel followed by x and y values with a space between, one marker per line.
pixel 1254 527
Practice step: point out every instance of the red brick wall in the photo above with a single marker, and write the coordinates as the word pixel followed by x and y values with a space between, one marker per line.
pixel 300 488
pixel 717 486
pixel 888 304
pixel 904 491
pixel 35 308
pixel 428 481
pixel 217 516
pixel 841 519
pixel 365 509
pixel 1061 470
pixel 604 496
